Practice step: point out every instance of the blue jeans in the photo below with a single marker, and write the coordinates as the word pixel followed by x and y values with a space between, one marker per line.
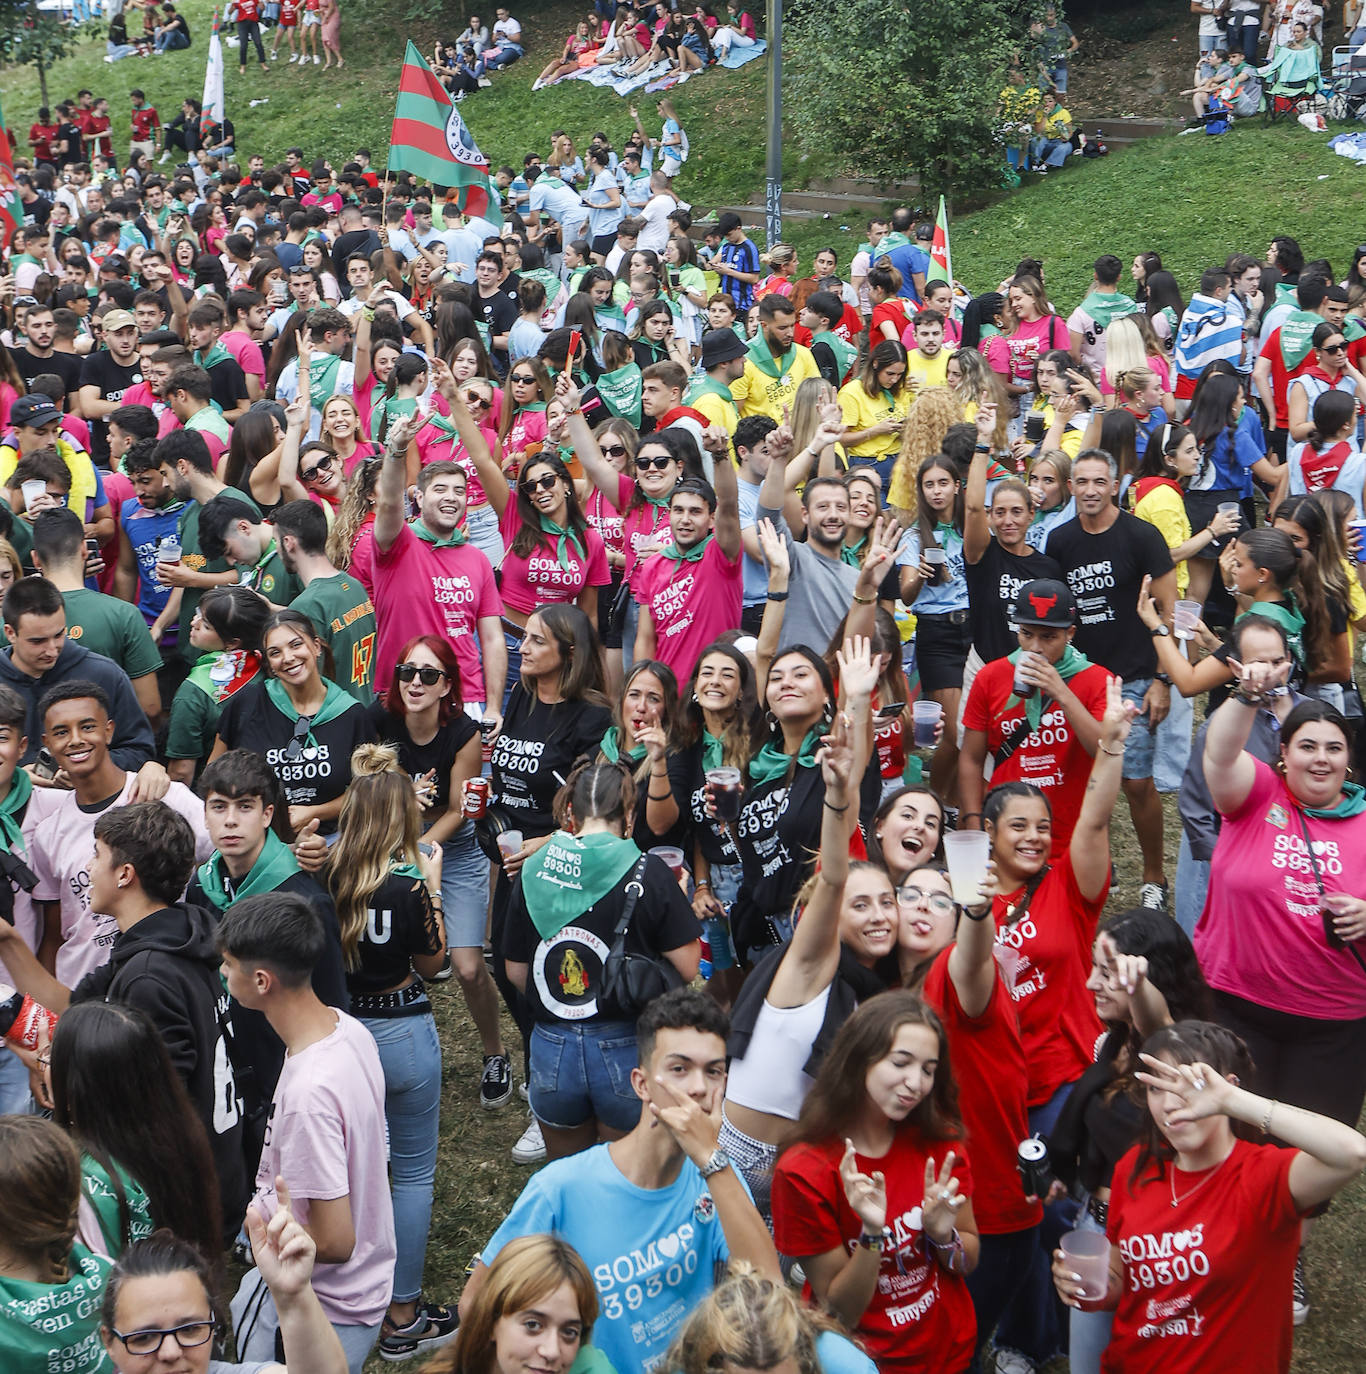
pixel 629 625
pixel 1192 883
pixel 464 889
pixel 1001 1268
pixel 117 51
pixel 583 1073
pixel 1050 151
pixel 1173 744
pixel 481 524
pixel 170 42
pixel 15 1097
pixel 513 643
pixel 410 1054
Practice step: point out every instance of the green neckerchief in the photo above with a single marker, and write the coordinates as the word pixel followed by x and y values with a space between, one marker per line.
pixel 1068 666
pixel 887 243
pixel 713 751
pixel 844 352
pixel 611 749
pixel 943 529
pixel 202 673
pixel 1297 336
pixel 546 278
pixel 771 762
pixel 322 379
pixel 989 331
pixel 852 554
pixel 1352 328
pixel 273 865
pixel 1287 615
pixel 336 701
pixel 689 555
pixel 1353 803
pixel 565 535
pixel 610 317
pixel 391 407
pixel 1287 292
pixel 253 576
pixel 704 384
pixel 762 357
pixel 1105 307
pixel 12 807
pixel 453 540
pixel 216 354
pixel 620 390
pixel 571 874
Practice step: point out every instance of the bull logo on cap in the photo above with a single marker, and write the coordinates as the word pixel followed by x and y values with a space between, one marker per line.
pixel 1042 604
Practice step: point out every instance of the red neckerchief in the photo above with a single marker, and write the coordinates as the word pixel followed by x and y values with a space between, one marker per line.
pixel 1145 485
pixel 1320 469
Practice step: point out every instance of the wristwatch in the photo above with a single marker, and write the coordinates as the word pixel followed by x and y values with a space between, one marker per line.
pixel 719 1160
pixel 873 1242
pixel 1160 631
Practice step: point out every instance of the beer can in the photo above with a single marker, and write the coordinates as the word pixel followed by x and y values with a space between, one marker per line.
pixel 475 800
pixel 1031 1159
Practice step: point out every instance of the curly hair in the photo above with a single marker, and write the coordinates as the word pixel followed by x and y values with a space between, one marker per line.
pixel 936 410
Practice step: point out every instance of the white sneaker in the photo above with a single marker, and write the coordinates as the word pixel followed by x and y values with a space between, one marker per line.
pixel 1013 1362
pixel 273 55
pixel 484 81
pixel 294 57
pixel 317 61
pixel 530 1146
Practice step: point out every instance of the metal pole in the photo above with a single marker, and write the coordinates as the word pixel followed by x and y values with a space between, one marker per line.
pixel 773 171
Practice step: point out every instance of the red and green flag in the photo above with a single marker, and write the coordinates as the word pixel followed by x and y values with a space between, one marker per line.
pixel 941 260
pixel 11 207
pixel 431 141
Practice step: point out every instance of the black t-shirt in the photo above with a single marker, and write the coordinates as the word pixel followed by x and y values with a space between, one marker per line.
pixel 994 582
pixel 437 755
pixel 67 366
pixel 400 923
pixel 536 751
pixel 565 975
pixel 250 720
pixel 714 842
pixel 228 383
pixel 111 380
pixel 74 139
pixel 499 314
pixel 1105 572
pixel 679 833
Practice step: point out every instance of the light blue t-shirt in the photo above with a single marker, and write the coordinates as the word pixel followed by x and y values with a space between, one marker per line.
pixel 462 246
pixel 937 598
pixel 602 217
pixel 755 575
pixel 839 1355
pixel 525 339
pixel 550 196
pixel 653 1252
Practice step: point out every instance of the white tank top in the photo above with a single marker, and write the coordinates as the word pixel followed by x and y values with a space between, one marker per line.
pixel 770 1078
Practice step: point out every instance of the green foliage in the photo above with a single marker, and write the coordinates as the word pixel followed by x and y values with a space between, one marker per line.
pixel 923 101
pixel 33 37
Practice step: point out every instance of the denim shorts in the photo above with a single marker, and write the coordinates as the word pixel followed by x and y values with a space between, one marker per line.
pixel 579 1073
pixel 1140 747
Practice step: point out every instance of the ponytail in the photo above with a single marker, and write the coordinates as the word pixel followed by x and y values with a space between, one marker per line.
pixel 1332 412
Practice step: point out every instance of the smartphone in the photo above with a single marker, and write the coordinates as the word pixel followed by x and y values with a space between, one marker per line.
pixel 45 766
pixel 92 548
pixel 891 711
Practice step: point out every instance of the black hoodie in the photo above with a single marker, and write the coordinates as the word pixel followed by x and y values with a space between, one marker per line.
pixel 167 967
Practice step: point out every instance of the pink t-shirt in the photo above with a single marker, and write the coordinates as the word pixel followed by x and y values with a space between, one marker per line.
pixel 61 842
pixel 326 1138
pixel 690 604
pixel 540 579
pixel 364 449
pixel 1261 934
pixel 1030 341
pixel 78 431
pixel 362 564
pixel 645 529
pixel 1159 365
pixel 436 444
pixel 606 519
pixel 527 430
pixel 246 351
pixel 422 590
pixel 142 395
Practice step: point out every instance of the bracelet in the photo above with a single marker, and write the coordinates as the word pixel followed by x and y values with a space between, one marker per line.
pixel 1249 698
pixel 953 1246
pixel 777 596
pixel 700 883
pixel 569 414
pixel 1266 1120
pixel 1113 753
pixel 650 796
pixel 867 1241
pixel 865 600
pixel 839 810
pixel 986 911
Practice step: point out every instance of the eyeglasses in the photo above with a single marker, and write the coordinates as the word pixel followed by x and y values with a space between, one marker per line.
pixel 428 677
pixel 658 463
pixel 322 465
pixel 187 1336
pixel 938 902
pixel 546 482
pixel 614 450
pixel 1333 348
pixel 474 398
pixel 523 379
pixel 297 749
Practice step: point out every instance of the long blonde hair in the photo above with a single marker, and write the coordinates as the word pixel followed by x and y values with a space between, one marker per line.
pixel 811 395
pixel 378 830
pixel 1124 349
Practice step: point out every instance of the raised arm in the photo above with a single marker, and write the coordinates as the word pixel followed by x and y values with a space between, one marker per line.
pixel 1090 847
pixel 727 524
pixel 596 468
pixel 1229 770
pixel 972 965
pixel 976 529
pixel 491 476
pixel 390 487
pixel 1190 679
pixel 777 552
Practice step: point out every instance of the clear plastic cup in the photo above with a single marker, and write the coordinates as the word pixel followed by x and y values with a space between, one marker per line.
pixel 1229 508
pixel 936 557
pixel 966 852
pixel 509 842
pixel 1088 1253
pixel 1185 614
pixel 925 718
pixel 672 856
pixel 34 490
pixel 727 789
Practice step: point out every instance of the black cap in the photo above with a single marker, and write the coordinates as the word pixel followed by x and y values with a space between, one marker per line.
pixel 33 412
pixel 1045 602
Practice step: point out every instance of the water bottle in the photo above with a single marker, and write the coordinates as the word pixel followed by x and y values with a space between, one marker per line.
pixel 716 946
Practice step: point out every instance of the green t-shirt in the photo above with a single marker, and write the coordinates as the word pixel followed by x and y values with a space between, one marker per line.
pixel 342 614
pixel 192 557
pixel 270 578
pixel 99 1191
pixel 193 725
pixel 105 625
pixel 54 1328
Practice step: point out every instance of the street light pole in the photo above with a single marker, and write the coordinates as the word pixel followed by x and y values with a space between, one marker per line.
pixel 773 171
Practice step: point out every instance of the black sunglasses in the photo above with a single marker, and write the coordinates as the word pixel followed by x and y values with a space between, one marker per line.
pixel 545 482
pixel 296 749
pixel 311 474
pixel 657 463
pixel 473 398
pixel 428 677
pixel 614 450
pixel 1332 348
pixel 528 377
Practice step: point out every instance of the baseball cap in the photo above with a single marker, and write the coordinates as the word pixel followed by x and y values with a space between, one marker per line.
pixel 118 319
pixel 721 346
pixel 33 412
pixel 1045 601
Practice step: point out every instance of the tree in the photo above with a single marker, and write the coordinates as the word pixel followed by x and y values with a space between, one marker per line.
pixel 30 35
pixel 901 87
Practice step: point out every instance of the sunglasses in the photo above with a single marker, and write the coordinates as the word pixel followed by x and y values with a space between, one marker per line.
pixel 546 482
pixel 657 463
pixel 614 450
pixel 428 677
pixel 297 749
pixel 473 398
pixel 1332 348
pixel 525 378
pixel 322 465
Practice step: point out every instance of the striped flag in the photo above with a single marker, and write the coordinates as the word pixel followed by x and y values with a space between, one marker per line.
pixel 431 141
pixel 941 261
pixel 11 207
pixel 214 110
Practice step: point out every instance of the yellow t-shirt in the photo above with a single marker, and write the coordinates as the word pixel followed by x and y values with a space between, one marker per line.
pixel 930 371
pixel 758 393
pixel 1356 600
pixel 718 411
pixel 862 411
pixel 1165 508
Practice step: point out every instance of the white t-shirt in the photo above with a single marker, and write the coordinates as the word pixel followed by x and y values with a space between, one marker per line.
pixel 508 28
pixel 655 235
pixel 287 388
pixel 353 305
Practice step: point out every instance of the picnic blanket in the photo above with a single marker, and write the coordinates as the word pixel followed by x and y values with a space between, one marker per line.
pixel 659 77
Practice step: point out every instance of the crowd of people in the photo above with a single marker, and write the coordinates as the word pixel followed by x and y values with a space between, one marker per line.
pixel 729 677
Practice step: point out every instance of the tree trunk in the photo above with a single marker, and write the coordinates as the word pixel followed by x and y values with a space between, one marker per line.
pixel 42 82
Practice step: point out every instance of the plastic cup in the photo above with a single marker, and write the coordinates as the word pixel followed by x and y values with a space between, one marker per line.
pixel 1229 508
pixel 727 789
pixel 966 852
pixel 34 490
pixel 1088 1252
pixel 1185 614
pixel 509 842
pixel 668 854
pixel 1021 686
pixel 1358 525
pixel 936 557
pixel 925 717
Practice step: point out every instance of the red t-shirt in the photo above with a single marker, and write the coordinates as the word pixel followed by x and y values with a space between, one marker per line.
pixel 1207 1282
pixel 1281 375
pixel 289 16
pixel 541 579
pixel 97 129
pixel 1051 757
pixel 145 121
pixel 690 604
pixel 989 1067
pixel 248 11
pixel 41 136
pixel 891 312
pixel 1045 959
pixel 920 1317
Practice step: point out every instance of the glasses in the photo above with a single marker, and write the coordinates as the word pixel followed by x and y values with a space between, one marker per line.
pixel 322 465
pixel 614 450
pixel 938 902
pixel 187 1336
pixel 1332 348
pixel 523 379
pixel 658 463
pixel 545 482
pixel 297 749
pixel 473 398
pixel 428 677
